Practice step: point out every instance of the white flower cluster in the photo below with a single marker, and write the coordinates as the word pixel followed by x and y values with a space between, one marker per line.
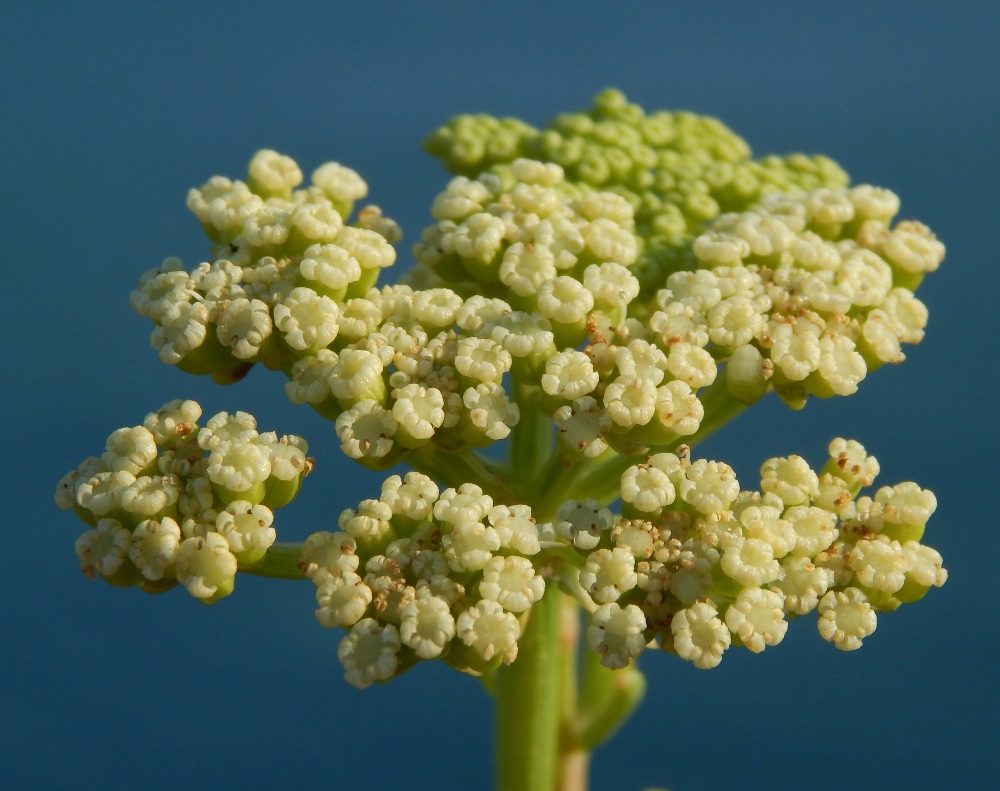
pixel 702 565
pixel 170 502
pixel 286 276
pixel 807 292
pixel 423 574
pixel 528 275
pixel 693 562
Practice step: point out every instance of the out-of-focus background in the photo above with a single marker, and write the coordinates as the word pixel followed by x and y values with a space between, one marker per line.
pixel 110 111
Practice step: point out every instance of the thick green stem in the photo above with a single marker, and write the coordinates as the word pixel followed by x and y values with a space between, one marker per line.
pixel 527 703
pixel 281 562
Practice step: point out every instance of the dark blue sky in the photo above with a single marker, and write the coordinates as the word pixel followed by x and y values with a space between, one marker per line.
pixel 110 111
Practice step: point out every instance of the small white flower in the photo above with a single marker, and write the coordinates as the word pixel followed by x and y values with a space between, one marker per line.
pixel 564 300
pixel 149 495
pixel 879 564
pixel 357 375
pixel 130 450
pixel 879 336
pixel 340 183
pixel 246 527
pixel 709 486
pixel 366 429
pixel 368 653
pixel 173 420
pixel 678 409
pixel 275 173
pixel 523 334
pixel 512 583
pixel 611 283
pixel 334 552
pixel 460 199
pixel 427 624
pixel 646 487
pixel 465 504
pixel 470 545
pixel 874 203
pixel 569 374
pixel 692 365
pixel 795 348
pixel 699 636
pixel 104 549
pixel 846 618
pixel 238 465
pixel 630 401
pixel 912 247
pixel 750 561
pixel 735 322
pixel 717 247
pixel 419 410
pixel 923 565
pixel 224 428
pixel 526 267
pixel 840 367
pixel 515 528
pixel 789 478
pixel 155 547
pixel 579 427
pixel 183 328
pixel 243 326
pixel 482 359
pixel 343 598
pixel 490 411
pixel 160 293
pixel 436 307
pixel 906 503
pixel 480 314
pixel 758 618
pixel 206 567
pixel 803 584
pixel 268 224
pixel 611 242
pixel 829 207
pixel 850 462
pixel 699 290
pixel 369 248
pixel 307 319
pixel 608 574
pixel 489 630
pixel 198 200
pixel 907 314
pixel 815 529
pixel 330 265
pixel 617 634
pixel 582 522
pixel 765 522
pixel 412 497
pixel 531 171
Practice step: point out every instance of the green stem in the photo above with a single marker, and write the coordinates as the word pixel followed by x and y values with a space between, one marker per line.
pixel 553 485
pixel 607 699
pixel 531 438
pixel 572 773
pixel 280 562
pixel 454 469
pixel 527 703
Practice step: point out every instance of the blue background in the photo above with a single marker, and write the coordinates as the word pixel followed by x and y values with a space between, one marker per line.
pixel 109 112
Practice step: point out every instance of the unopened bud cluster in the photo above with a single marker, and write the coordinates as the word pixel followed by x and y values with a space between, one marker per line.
pixel 693 563
pixel 170 502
